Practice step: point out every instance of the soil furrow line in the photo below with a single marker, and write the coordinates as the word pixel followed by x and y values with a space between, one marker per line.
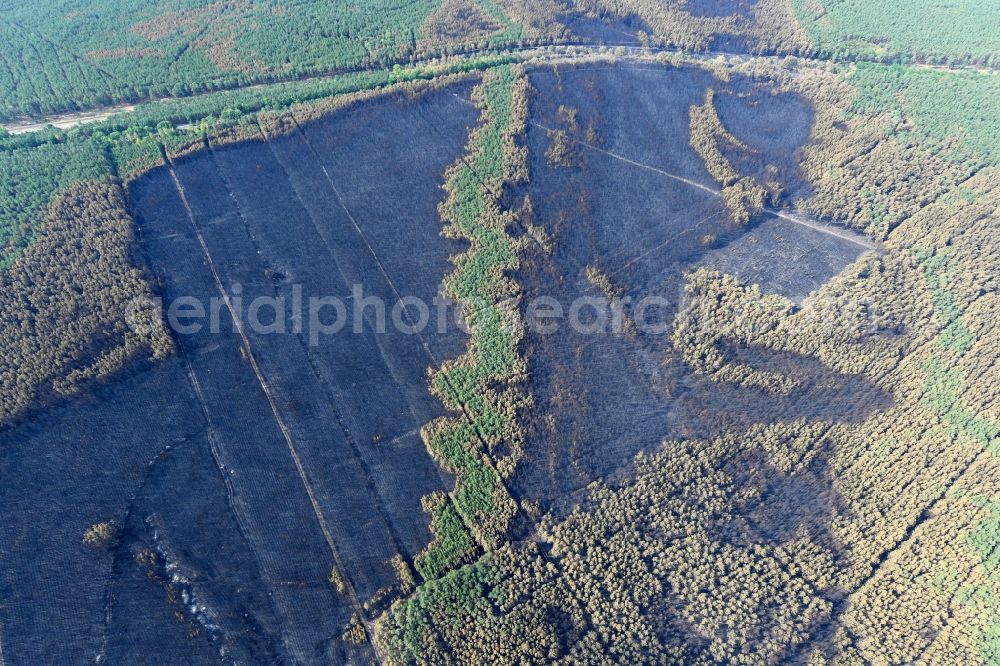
pixel 331 400
pixel 213 447
pixel 431 356
pixel 109 597
pixel 330 252
pixel 279 420
pixel 364 239
pixel 390 367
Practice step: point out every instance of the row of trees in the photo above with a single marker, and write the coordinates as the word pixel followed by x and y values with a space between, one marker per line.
pixel 134 138
pixel 742 195
pixel 128 51
pixel 482 441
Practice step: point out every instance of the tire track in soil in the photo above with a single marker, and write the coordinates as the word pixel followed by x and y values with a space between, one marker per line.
pixel 327 387
pixel 279 420
pixel 371 487
pixel 430 354
pixel 212 439
pixel 213 447
pixel 329 250
pixel 109 584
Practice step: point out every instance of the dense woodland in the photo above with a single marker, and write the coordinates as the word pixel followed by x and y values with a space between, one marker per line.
pixel 766 26
pixel 951 112
pixel 31 178
pixel 963 31
pixel 64 302
pixel 63 56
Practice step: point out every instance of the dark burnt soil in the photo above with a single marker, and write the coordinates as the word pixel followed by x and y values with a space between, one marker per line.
pixel 601 398
pixel 220 551
pixel 235 471
pixel 774 126
pixel 783 258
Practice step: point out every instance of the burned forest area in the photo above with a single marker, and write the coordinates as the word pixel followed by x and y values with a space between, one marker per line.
pixel 487 331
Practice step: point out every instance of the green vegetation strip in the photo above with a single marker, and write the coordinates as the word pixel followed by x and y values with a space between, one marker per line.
pixel 944 389
pixel 944 107
pixel 485 414
pixel 944 386
pixel 406 632
pixel 985 543
pixel 480 387
pixel 936 32
pixel 511 32
pixel 231 104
